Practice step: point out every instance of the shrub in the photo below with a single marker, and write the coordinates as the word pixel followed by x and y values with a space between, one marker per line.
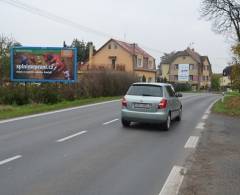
pixel 92 84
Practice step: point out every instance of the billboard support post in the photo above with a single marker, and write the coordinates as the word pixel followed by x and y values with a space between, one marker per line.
pixel 25 90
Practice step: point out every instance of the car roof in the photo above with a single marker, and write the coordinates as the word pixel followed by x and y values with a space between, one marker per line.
pixel 156 84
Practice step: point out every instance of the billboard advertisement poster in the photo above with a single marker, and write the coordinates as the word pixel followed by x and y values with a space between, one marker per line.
pixel 183 72
pixel 43 64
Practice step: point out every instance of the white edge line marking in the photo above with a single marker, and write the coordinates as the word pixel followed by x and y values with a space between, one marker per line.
pixel 205 116
pixel 208 111
pixel 56 111
pixel 111 121
pixel 192 142
pixel 173 182
pixel 71 136
pixel 10 159
pixel 200 125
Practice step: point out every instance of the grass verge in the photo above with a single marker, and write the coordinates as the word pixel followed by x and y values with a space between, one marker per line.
pixel 7 112
pixel 230 106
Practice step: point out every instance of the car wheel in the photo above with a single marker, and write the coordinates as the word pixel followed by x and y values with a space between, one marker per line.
pixel 167 123
pixel 126 123
pixel 179 118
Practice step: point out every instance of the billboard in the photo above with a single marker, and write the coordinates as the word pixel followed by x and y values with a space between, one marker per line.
pixel 43 64
pixel 183 72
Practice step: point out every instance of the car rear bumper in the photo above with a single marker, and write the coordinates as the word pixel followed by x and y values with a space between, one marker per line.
pixel 145 117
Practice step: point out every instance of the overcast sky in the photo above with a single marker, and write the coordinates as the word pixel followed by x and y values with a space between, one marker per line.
pixel 156 25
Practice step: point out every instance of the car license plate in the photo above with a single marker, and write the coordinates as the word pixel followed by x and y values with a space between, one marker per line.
pixel 140 105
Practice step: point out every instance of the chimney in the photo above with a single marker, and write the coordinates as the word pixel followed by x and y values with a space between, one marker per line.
pixel 90 54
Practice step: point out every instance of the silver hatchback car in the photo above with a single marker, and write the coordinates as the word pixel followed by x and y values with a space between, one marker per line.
pixel 151 103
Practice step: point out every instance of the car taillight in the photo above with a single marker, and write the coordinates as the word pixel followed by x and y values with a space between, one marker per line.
pixel 124 102
pixel 162 104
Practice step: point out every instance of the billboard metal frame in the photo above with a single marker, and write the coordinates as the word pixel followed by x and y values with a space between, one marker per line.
pixel 43 80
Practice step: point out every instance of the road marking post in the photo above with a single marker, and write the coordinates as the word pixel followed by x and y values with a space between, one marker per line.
pixel 173 182
pixel 10 159
pixel 71 136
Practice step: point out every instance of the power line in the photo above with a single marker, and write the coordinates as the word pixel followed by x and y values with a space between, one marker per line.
pixel 53 17
pixel 63 20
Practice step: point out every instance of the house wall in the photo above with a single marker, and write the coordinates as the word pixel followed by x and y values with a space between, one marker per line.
pixel 206 74
pixel 123 58
pixel 150 76
pixel 165 71
pixel 225 81
pixel 102 59
pixel 184 60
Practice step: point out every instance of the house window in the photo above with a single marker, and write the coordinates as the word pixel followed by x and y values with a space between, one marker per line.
pixel 176 66
pixel 115 46
pixel 175 77
pixel 203 78
pixel 109 46
pixel 139 62
pixel 207 78
pixel 150 64
pixel 114 64
pixel 191 77
pixel 191 66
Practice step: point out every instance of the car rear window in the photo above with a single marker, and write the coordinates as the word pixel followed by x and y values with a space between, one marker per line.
pixel 145 90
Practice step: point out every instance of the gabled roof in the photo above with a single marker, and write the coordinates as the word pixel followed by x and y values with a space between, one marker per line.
pixel 131 48
pixel 187 52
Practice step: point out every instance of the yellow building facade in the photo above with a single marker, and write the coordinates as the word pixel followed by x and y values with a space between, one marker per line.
pixel 122 56
pixel 200 70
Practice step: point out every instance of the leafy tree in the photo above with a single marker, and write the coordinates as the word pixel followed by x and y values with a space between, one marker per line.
pixel 235 77
pixel 82 49
pixel 215 82
pixel 5 45
pixel 235 71
pixel 166 56
pixel 225 15
pixel 144 78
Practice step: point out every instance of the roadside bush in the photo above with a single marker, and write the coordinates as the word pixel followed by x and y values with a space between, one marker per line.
pixel 182 87
pixel 10 95
pixel 92 84
pixel 106 83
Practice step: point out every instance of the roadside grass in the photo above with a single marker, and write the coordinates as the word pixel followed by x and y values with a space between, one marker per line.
pixel 230 106
pixel 11 111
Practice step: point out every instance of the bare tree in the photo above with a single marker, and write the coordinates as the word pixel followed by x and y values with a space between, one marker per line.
pixel 5 45
pixel 225 15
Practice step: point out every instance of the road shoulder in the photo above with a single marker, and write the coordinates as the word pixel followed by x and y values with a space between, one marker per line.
pixel 214 167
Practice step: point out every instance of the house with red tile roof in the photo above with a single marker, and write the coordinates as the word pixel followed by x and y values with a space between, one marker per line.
pixel 122 56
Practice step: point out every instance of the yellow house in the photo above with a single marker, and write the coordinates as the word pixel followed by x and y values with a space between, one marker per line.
pixel 200 70
pixel 122 56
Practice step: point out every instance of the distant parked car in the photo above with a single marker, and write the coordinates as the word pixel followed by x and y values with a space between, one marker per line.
pixel 151 103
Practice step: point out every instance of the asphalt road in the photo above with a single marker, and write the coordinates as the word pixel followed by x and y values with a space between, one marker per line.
pixel 75 153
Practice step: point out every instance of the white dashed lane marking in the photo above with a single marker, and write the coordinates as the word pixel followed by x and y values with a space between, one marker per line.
pixel 71 136
pixel 200 125
pixel 112 121
pixel 192 142
pixel 173 182
pixel 10 159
